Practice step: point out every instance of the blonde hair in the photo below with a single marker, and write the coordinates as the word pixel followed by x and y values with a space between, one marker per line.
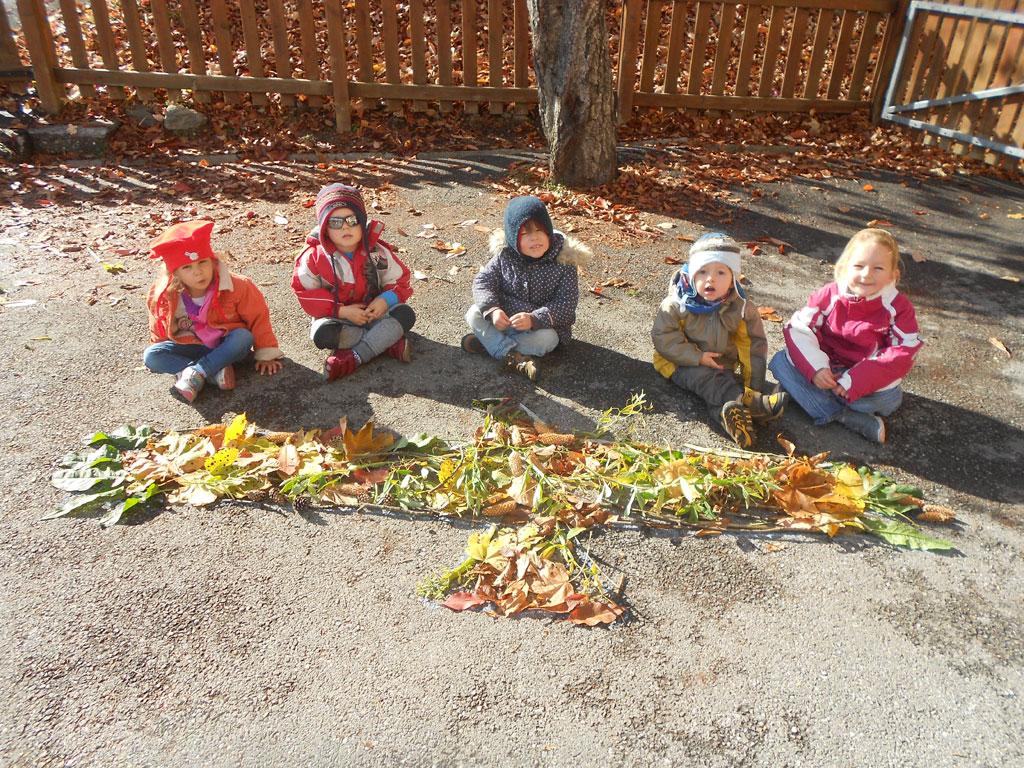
pixel 864 237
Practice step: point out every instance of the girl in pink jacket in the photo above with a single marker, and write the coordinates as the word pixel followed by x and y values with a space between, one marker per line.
pixel 848 350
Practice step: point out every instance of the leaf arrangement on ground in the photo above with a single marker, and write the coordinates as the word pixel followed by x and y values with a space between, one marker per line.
pixel 545 493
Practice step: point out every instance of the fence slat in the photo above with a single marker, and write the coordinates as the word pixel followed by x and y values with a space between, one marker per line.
pixel 42 55
pixel 73 30
pixel 680 22
pixel 392 60
pixel 971 113
pixel 105 42
pixel 444 48
pixel 860 66
pixel 364 40
pixel 842 52
pixel 651 34
pixel 1000 126
pixel 418 39
pixel 194 44
pixel 282 51
pixel 495 23
pixel 521 50
pixel 339 65
pixel 469 50
pixel 253 50
pixel 695 77
pixel 225 46
pixel 927 50
pixel 136 43
pixel 750 38
pixel 937 58
pixel 630 38
pixel 310 51
pixel 771 51
pixel 748 103
pixel 723 50
pixel 796 52
pixel 819 49
pixel 9 58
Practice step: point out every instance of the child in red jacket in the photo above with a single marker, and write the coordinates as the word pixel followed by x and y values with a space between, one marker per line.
pixel 203 318
pixel 849 348
pixel 353 285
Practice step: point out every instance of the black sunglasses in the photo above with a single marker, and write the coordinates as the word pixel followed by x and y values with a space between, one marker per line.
pixel 337 222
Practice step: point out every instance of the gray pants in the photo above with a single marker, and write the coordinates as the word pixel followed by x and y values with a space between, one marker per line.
pixel 367 341
pixel 714 387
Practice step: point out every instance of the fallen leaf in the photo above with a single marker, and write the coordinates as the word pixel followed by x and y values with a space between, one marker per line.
pixel 114 268
pixel 787 446
pixel 467 223
pixel 417 275
pixel 936 513
pixel 770 313
pixel 672 260
pixel 460 601
pixel 773 546
pixel 288 460
pixel 917 256
pixel 454 270
pixel 593 613
pixel 482 228
pixel 666 225
pixel 843 208
pixel 984 216
pixel 883 223
pixel 868 187
pixel 280 220
pixel 1015 215
pixel 995 342
pixel 920 213
pixel 1010 278
pixel 365 442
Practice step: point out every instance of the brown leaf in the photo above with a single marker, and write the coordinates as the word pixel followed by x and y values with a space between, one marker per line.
pixel 770 313
pixel 998 344
pixel 460 601
pixel 868 187
pixel 883 223
pixel 364 441
pixel 593 613
pixel 787 446
pixel 288 460
pixel 936 513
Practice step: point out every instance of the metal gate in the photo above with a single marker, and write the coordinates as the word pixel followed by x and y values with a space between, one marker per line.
pixel 963 67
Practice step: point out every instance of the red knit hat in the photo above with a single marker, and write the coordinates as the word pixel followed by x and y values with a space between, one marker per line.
pixel 184 243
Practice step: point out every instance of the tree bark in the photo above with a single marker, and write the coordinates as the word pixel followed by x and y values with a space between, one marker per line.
pixel 574 81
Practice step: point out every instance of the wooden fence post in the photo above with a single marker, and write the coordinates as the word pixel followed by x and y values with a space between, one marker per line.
pixel 629 39
pixel 36 26
pixel 891 43
pixel 339 66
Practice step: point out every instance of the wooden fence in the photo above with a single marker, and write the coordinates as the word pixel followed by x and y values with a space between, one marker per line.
pixel 777 55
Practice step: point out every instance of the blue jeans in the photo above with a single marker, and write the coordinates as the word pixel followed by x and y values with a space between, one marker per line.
pixel 171 357
pixel 499 343
pixel 821 404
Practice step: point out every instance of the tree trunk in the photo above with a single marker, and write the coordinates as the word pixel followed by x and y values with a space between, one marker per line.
pixel 574 80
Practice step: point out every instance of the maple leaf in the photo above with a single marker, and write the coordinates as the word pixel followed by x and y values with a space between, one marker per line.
pixel 460 601
pixel 593 613
pixel 365 442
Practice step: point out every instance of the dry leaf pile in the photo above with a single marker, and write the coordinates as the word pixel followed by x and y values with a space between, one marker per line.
pixel 547 492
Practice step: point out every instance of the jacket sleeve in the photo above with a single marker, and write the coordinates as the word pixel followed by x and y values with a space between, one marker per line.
pixel 487 289
pixel 892 361
pixel 252 308
pixel 753 351
pixel 561 311
pixel 157 327
pixel 311 287
pixel 801 333
pixel 396 280
pixel 669 339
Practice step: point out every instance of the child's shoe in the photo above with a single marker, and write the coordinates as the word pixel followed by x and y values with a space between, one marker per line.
pixel 225 378
pixel 522 364
pixel 401 350
pixel 340 363
pixel 736 421
pixel 188 384
pixel 765 408
pixel 866 425
pixel 471 344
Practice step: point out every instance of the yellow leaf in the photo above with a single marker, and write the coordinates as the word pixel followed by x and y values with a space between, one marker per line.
pixel 237 429
pixel 219 463
pixel 364 441
pixel 1015 215
pixel 445 472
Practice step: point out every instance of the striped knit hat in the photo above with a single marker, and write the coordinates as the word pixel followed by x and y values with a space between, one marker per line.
pixel 715 247
pixel 338 196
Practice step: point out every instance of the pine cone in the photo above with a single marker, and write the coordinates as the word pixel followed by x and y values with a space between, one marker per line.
pixel 501 509
pixel 553 438
pixel 935 513
pixel 515 463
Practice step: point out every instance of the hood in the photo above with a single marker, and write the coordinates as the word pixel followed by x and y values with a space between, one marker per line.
pixel 572 252
pixel 680 287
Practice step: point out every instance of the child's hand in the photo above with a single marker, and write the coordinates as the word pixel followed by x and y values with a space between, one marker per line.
pixel 354 313
pixel 710 359
pixel 268 367
pixel 376 308
pixel 500 319
pixel 839 391
pixel 521 321
pixel 824 379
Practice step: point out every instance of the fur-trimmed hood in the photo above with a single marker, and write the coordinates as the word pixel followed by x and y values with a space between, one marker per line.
pixel 572 253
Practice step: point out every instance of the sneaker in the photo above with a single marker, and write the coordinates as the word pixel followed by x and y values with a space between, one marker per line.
pixel 471 344
pixel 521 364
pixel 867 425
pixel 340 363
pixel 401 350
pixel 765 408
pixel 737 423
pixel 188 384
pixel 225 378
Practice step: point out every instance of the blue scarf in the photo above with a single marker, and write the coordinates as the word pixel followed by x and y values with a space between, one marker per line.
pixel 691 301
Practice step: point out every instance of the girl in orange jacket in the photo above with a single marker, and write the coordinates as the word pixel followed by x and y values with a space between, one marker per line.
pixel 203 318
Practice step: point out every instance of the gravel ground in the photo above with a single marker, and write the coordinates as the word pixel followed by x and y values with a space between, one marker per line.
pixel 244 636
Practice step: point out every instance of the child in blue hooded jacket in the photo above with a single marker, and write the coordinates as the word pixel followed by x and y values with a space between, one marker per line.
pixel 525 297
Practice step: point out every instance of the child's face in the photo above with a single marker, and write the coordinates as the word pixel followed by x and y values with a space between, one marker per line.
pixel 869 269
pixel 195 277
pixel 348 234
pixel 533 240
pixel 713 281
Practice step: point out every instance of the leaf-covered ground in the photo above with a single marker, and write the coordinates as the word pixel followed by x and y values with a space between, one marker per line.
pixel 238 633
